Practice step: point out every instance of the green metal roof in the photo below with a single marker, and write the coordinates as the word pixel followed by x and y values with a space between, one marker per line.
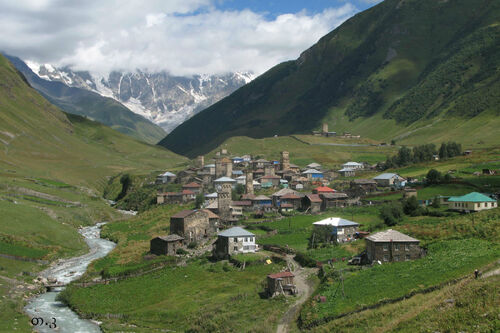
pixel 472 197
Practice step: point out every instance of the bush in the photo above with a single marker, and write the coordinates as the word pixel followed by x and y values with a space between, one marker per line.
pixel 304 260
pixel 192 245
pixel 433 176
pixel 181 251
pixel 391 214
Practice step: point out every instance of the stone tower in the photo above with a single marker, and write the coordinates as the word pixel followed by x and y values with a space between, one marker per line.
pixel 325 128
pixel 223 167
pixel 285 160
pixel 249 183
pixel 224 187
pixel 269 170
pixel 200 161
pixel 228 163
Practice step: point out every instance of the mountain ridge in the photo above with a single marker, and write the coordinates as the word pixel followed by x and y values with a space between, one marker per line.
pixel 399 64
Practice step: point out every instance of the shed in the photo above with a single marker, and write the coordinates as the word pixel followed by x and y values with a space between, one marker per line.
pixel 281 283
pixel 166 245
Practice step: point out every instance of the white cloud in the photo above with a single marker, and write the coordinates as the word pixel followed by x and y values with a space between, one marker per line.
pixel 180 36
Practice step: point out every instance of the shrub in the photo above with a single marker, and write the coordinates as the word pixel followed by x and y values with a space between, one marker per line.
pixel 192 245
pixel 181 251
pixel 304 260
pixel 391 214
pixel 433 176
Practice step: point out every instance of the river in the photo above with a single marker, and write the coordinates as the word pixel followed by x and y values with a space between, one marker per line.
pixel 46 306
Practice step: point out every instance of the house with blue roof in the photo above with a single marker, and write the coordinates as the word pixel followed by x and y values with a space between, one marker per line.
pixel 472 202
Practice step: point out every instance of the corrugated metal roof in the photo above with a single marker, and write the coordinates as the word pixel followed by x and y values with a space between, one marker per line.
pixel 311 171
pixel 348 164
pixel 386 176
pixel 336 222
pixel 391 235
pixel 168 174
pixel 224 180
pixel 472 197
pixel 235 232
pixel 280 275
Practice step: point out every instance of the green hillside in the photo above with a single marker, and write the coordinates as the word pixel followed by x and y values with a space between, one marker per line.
pixel 53 169
pixel 402 69
pixel 92 105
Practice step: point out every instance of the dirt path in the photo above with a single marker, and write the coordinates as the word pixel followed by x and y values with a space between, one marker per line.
pixel 304 288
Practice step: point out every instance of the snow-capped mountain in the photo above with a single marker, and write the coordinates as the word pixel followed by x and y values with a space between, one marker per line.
pixel 160 97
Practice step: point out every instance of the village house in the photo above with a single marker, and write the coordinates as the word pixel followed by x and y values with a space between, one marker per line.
pixel 262 202
pixel 211 197
pixel 313 203
pixel 210 168
pixel 193 187
pixel 313 174
pixel 237 160
pixel 290 202
pixel 314 165
pixel 332 200
pixel 233 241
pixel 391 245
pixel 261 163
pixel 353 165
pixel 409 192
pixel 165 178
pixel 337 229
pixel 347 172
pixel 294 168
pixel 166 245
pixel 323 189
pixel 175 197
pixel 194 225
pixel 472 202
pixel 281 283
pixel 270 181
pixel 390 179
pixel 186 176
pixel 257 173
pixel 277 195
pixel 367 185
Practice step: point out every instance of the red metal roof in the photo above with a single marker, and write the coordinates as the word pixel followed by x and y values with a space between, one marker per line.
pixel 187 192
pixel 280 275
pixel 324 189
pixel 192 185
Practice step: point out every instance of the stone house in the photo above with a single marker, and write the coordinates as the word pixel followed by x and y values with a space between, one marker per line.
pixel 367 185
pixel 338 229
pixel 193 187
pixel 313 174
pixel 391 245
pixel 291 200
pixel 261 163
pixel 165 178
pixel 233 241
pixel 262 202
pixel 166 245
pixel 390 179
pixel 347 172
pixel 331 200
pixel 472 202
pixel 194 225
pixel 277 195
pixel 314 166
pixel 273 180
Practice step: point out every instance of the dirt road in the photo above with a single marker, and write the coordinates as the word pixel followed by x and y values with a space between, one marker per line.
pixel 305 289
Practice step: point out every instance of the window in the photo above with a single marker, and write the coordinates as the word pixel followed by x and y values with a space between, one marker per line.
pixel 407 257
pixel 386 257
pixel 235 248
pixel 386 247
pixel 246 239
pixel 407 247
pixel 396 258
pixel 251 239
pixel 235 239
pixel 396 247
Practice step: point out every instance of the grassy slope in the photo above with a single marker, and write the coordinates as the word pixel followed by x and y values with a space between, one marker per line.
pixel 422 63
pixel 86 103
pixel 53 168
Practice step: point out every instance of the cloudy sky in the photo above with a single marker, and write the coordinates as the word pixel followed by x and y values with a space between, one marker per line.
pixel 180 36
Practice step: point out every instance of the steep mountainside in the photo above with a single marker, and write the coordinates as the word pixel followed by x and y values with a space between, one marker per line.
pixel 164 99
pixel 395 71
pixel 39 140
pixel 90 104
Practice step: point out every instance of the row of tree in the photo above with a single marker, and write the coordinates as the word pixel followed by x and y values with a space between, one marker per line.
pixel 422 153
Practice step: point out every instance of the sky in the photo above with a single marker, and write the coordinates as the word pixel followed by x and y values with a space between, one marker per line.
pixel 183 37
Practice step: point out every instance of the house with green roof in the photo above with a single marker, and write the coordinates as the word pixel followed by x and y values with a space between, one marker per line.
pixel 472 202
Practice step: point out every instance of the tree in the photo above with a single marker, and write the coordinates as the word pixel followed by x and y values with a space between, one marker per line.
pixel 200 199
pixel 391 214
pixel 435 203
pixel 433 176
pixel 411 206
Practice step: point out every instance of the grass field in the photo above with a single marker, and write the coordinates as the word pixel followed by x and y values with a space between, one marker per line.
pixel 393 280
pixel 201 296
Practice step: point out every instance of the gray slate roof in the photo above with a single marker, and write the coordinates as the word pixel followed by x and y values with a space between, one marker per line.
pixel 171 238
pixel 235 232
pixel 391 235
